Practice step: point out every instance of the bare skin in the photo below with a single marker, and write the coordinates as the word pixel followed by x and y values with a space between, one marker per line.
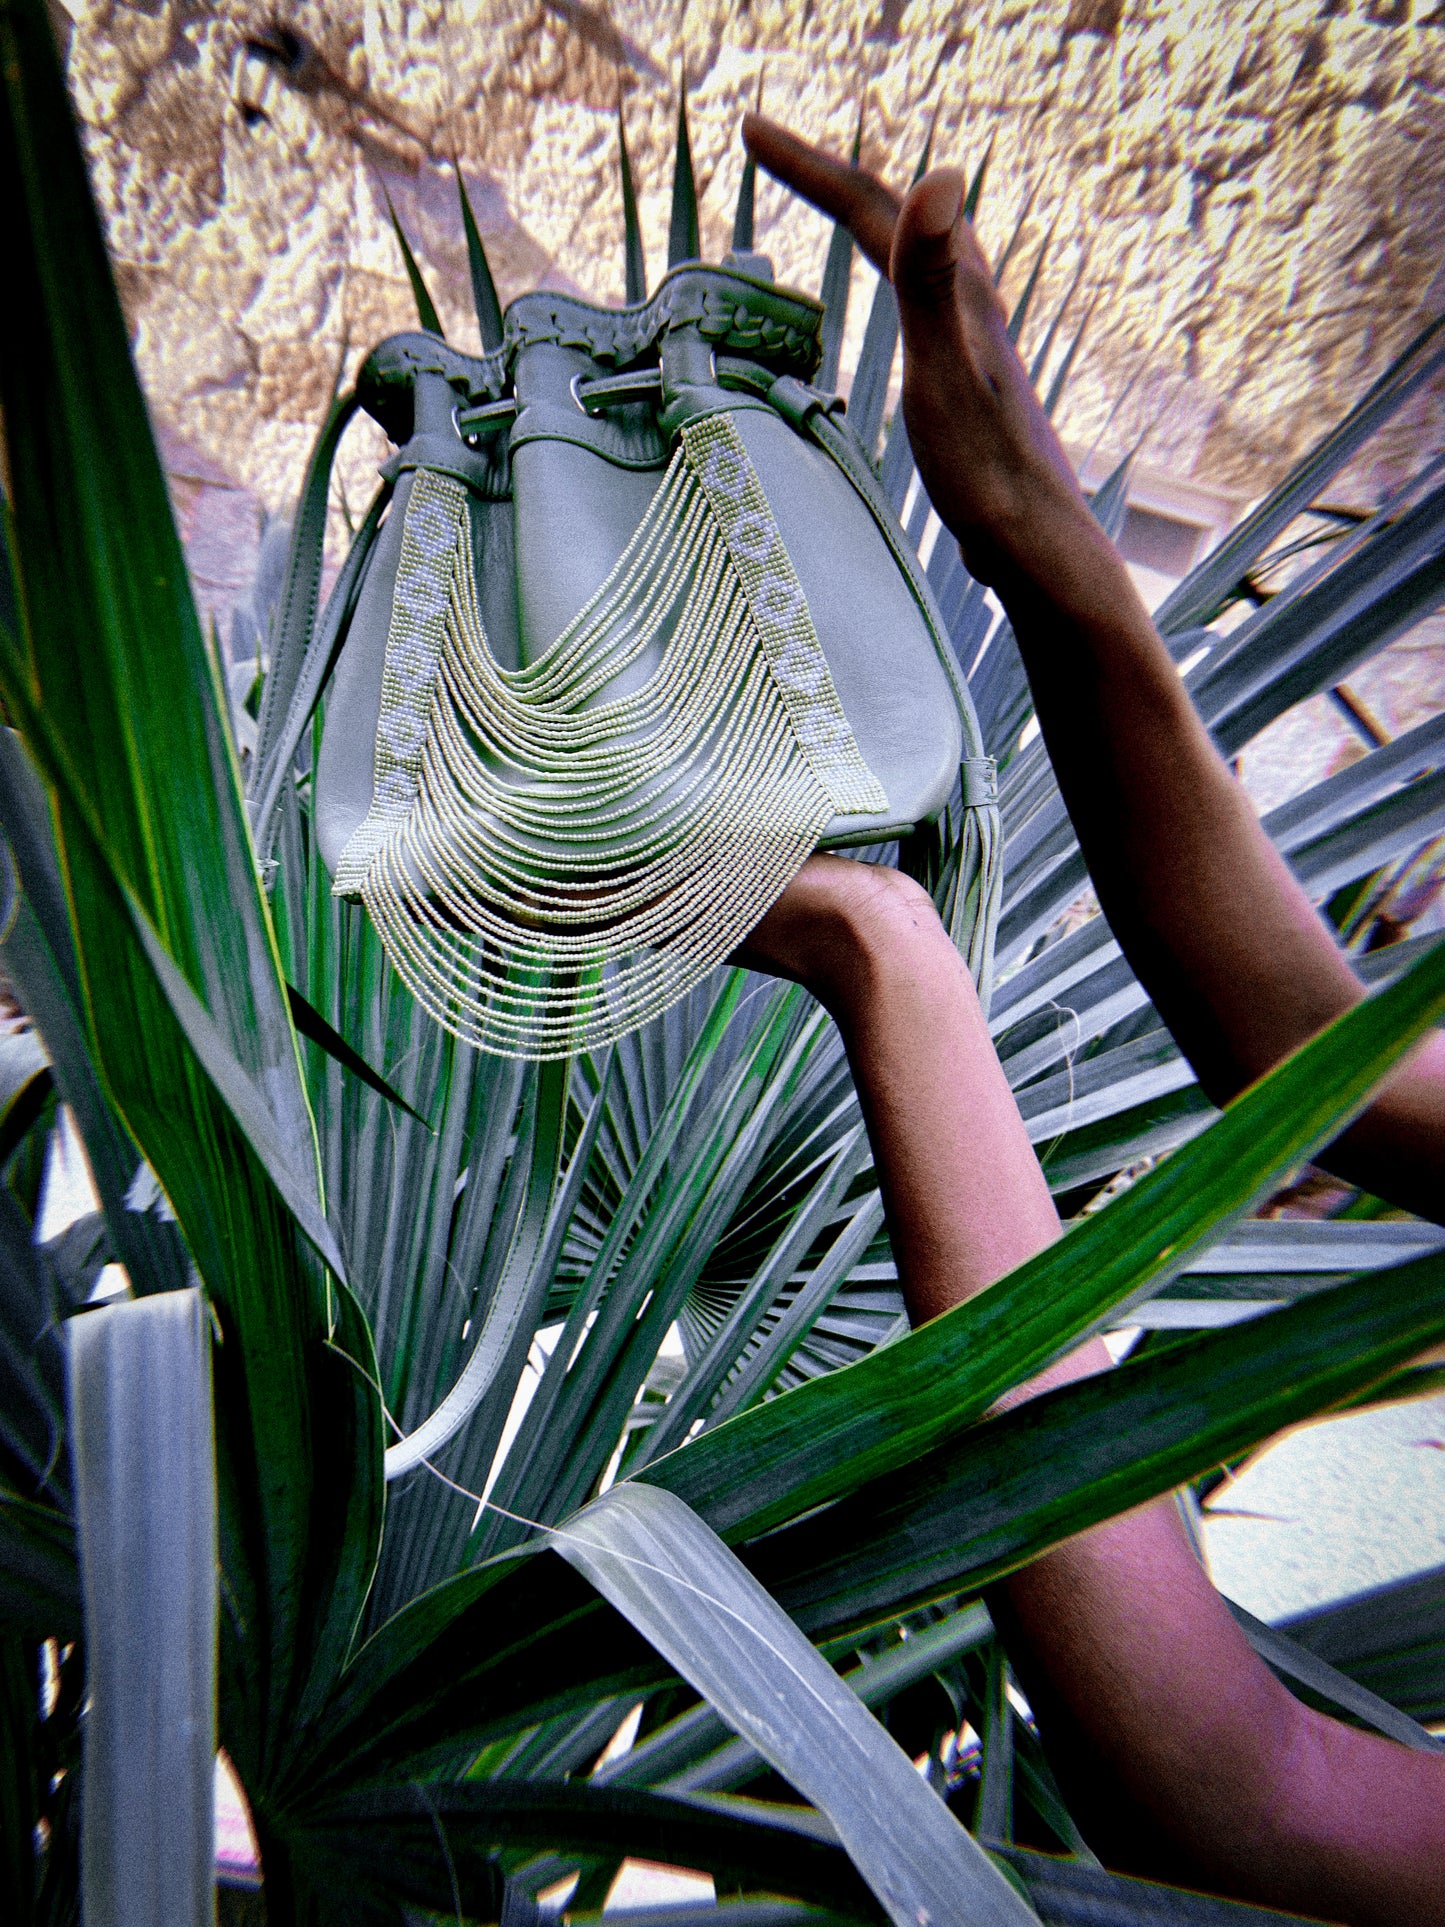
pixel 1237 961
pixel 1181 1754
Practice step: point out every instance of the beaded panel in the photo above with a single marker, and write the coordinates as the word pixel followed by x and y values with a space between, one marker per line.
pixel 551 863
pixel 780 611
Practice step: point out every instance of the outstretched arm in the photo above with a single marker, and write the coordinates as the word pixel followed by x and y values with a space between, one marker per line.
pixel 1181 1754
pixel 1238 963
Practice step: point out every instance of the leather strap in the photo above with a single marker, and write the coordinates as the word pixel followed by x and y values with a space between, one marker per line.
pixel 838 442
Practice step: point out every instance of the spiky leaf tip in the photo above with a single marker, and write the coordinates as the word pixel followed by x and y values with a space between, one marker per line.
pixel 635 264
pixel 683 241
pixel 425 306
pixel 484 289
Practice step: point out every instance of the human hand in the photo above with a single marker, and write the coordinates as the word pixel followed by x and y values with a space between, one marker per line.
pixel 841 926
pixel 988 455
pixel 963 1193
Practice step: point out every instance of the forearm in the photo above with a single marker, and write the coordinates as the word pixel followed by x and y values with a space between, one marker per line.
pixel 1239 964
pixel 1184 1759
pixel 964 1196
pixel 1180 1754
pixel 965 1199
pixel 1228 945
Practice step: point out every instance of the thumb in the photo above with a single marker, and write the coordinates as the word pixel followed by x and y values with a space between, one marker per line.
pixel 925 239
pixel 937 266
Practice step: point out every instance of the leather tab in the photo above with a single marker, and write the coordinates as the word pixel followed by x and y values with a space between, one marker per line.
pixel 757 267
pixel 979 777
pixel 687 362
pixel 797 403
pixel 444 451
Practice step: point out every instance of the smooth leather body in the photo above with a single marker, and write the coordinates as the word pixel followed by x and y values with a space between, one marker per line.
pixel 575 508
pixel 581 481
pixel 894 691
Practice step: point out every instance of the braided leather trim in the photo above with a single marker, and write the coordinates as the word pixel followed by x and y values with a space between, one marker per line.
pixel 732 313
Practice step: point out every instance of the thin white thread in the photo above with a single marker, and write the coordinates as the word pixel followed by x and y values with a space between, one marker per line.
pixel 1070 1053
pixel 476 1497
pixel 758 990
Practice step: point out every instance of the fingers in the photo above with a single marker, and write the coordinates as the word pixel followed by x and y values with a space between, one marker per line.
pixel 924 271
pixel 932 242
pixel 861 203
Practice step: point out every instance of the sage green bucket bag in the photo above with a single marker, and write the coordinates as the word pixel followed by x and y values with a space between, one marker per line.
pixel 630 634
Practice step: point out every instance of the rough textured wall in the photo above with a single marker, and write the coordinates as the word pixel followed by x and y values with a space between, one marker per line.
pixel 1259 189
pixel 1250 198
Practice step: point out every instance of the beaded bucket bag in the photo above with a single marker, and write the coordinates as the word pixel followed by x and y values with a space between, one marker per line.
pixel 630 633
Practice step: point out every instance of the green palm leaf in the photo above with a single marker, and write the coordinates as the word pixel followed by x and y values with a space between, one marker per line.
pixel 426 312
pixel 484 291
pixel 683 241
pixel 1001 1494
pixel 120 702
pixel 635 260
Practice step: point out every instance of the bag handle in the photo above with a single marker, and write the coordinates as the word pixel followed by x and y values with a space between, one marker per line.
pixel 268 779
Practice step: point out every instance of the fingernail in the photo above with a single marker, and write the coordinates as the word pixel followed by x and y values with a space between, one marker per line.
pixel 937 199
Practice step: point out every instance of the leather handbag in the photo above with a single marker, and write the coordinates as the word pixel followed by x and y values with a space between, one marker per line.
pixel 637 632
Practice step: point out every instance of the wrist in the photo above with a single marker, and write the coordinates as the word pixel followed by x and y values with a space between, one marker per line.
pixel 1052 563
pixel 841 929
pixel 1085 1361
pixel 883 932
pixel 1029 534
pixel 860 936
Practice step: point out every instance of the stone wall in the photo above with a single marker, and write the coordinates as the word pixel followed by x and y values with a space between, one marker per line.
pixel 1246 201
pixel 1257 190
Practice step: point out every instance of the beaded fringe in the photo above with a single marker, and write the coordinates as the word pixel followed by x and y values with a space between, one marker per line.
pixel 548 865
